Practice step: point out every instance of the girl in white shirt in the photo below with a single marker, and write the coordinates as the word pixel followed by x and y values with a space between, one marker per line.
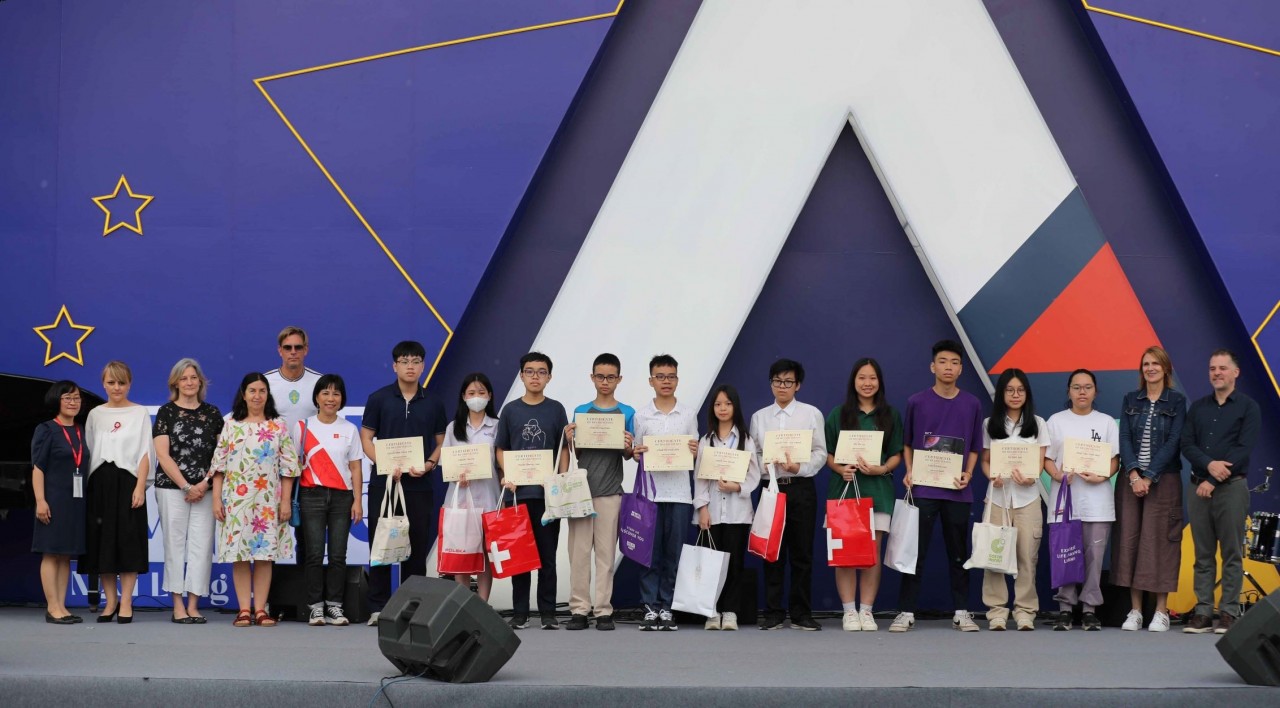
pixel 724 508
pixel 1092 498
pixel 474 423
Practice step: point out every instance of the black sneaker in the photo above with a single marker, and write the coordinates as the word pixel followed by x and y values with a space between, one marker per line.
pixel 549 621
pixel 1090 622
pixel 771 623
pixel 806 624
pixel 666 622
pixel 1063 623
pixel 650 621
pixel 577 622
pixel 518 621
pixel 604 623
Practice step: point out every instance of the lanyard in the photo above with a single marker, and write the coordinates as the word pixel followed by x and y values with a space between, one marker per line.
pixel 77 454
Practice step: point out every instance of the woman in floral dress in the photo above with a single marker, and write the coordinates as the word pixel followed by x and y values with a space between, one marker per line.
pixel 253 466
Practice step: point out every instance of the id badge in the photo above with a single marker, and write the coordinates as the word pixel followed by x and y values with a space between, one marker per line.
pixel 77 487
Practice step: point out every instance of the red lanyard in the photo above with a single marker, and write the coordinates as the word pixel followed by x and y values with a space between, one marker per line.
pixel 77 453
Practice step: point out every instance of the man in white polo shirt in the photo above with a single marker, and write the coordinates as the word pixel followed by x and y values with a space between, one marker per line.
pixel 293 383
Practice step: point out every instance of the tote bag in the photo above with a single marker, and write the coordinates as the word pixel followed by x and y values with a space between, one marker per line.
pixel 700 578
pixel 567 495
pixel 638 519
pixel 461 538
pixel 1066 543
pixel 995 547
pixel 391 540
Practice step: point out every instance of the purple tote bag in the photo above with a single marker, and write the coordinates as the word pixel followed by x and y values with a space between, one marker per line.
pixel 1066 543
pixel 639 519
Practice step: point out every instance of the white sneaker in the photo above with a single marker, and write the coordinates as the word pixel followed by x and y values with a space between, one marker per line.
pixel 1133 621
pixel 713 622
pixel 1159 623
pixel 963 621
pixel 317 615
pixel 851 622
pixel 868 621
pixel 373 619
pixel 729 621
pixel 903 622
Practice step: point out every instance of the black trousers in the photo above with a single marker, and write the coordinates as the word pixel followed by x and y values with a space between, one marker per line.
pixel 548 540
pixel 955 534
pixel 422 521
pixel 325 511
pixel 797 551
pixel 732 539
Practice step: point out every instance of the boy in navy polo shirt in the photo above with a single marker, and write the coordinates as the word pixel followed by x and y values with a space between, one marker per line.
pixel 401 410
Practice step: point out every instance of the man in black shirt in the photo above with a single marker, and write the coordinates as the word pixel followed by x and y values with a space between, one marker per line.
pixel 1220 433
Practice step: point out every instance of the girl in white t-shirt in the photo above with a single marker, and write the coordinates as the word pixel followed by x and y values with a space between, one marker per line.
pixel 474 423
pixel 1015 499
pixel 1092 496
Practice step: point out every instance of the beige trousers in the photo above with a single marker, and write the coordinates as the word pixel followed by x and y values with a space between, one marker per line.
pixel 597 535
pixel 1029 521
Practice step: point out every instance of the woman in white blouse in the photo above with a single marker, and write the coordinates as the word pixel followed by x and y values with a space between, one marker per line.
pixel 474 423
pixel 724 508
pixel 118 435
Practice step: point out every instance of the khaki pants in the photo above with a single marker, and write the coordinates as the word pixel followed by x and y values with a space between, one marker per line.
pixel 598 535
pixel 1029 521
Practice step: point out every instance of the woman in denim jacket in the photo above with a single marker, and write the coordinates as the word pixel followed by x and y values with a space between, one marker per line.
pixel 1147 551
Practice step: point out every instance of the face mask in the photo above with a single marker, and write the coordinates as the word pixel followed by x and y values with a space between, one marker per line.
pixel 477 404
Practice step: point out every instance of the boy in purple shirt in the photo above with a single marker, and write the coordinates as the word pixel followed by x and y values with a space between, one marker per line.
pixel 946 419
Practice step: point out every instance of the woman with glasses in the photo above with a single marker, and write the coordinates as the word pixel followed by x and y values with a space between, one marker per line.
pixel 59 466
pixel 1148 529
pixel 1092 500
pixel 119 434
pixel 185 434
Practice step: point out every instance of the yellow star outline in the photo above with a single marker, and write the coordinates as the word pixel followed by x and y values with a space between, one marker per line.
pixel 48 343
pixel 261 84
pixel 136 226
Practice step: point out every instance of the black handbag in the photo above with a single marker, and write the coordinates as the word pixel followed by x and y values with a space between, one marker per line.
pixel 295 518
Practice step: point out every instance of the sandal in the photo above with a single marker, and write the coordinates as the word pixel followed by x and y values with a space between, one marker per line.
pixel 262 619
pixel 243 619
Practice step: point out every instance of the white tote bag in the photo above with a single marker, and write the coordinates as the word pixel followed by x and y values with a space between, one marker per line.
pixel 567 495
pixel 700 578
pixel 903 548
pixel 461 545
pixel 995 547
pixel 391 540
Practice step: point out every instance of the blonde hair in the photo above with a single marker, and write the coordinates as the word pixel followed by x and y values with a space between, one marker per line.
pixel 1162 358
pixel 119 371
pixel 178 370
pixel 289 332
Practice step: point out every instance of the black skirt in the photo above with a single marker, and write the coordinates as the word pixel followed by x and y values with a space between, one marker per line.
pixel 115 532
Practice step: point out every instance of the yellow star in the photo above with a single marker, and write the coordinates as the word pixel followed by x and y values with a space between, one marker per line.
pixel 48 348
pixel 136 226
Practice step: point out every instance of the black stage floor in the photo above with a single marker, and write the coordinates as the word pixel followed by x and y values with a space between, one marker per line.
pixel 154 662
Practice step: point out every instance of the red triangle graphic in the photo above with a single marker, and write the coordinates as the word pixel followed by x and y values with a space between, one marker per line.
pixel 1095 323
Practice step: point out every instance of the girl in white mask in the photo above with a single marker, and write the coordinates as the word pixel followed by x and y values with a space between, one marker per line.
pixel 474 423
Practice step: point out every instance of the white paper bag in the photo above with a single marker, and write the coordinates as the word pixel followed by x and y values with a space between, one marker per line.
pixel 391 540
pixel 995 547
pixel 700 578
pixel 903 548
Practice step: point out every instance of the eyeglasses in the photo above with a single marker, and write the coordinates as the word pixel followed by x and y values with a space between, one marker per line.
pixel 71 398
pixel 601 378
pixel 783 383
pixel 664 377
pixel 293 347
pixel 1081 388
pixel 405 361
pixel 536 373
pixel 1015 391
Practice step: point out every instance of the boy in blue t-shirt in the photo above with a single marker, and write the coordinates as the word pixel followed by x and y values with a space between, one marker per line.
pixel 598 535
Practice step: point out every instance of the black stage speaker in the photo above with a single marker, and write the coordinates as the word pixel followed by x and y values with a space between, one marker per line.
pixel 439 629
pixel 288 597
pixel 1252 645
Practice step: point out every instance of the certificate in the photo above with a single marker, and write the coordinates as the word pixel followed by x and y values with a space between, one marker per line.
pixel 599 430
pixel 668 453
pixel 725 463
pixel 777 443
pixel 475 461
pixel 524 467
pixel 1006 456
pixel 404 453
pixel 852 443
pixel 931 468
pixel 1086 456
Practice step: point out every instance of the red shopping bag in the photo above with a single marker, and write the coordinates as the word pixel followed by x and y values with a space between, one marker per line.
pixel 851 541
pixel 460 548
pixel 508 541
pixel 766 527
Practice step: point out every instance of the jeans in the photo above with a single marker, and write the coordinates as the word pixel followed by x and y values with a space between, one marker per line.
pixel 658 581
pixel 325 509
pixel 955 535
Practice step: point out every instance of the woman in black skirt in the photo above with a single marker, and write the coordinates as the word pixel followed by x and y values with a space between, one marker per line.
pixel 119 434
pixel 60 463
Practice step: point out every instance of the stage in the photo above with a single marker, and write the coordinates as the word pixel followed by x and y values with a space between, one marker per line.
pixel 154 662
